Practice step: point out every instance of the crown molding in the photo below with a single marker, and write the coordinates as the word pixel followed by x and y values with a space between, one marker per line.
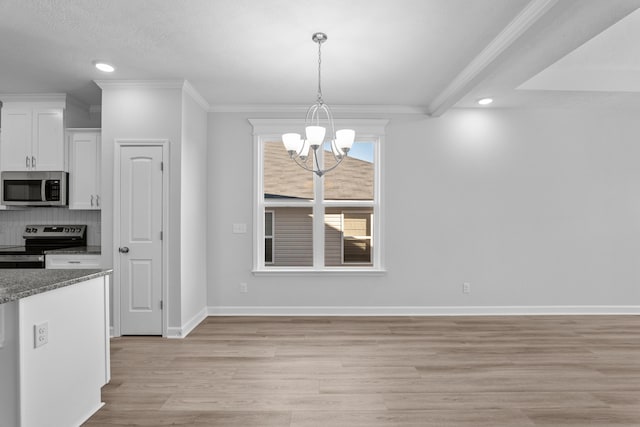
pixel 183 85
pixel 301 109
pixel 195 95
pixel 143 84
pixel 34 97
pixel 373 127
pixel 467 78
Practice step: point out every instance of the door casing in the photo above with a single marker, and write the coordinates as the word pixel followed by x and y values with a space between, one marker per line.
pixel 166 202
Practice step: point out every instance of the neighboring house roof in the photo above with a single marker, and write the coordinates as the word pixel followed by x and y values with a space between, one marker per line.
pixel 283 178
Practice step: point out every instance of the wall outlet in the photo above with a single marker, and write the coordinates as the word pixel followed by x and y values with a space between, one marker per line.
pixel 466 288
pixel 40 334
pixel 243 288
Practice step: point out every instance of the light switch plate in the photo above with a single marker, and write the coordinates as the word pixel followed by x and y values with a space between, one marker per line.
pixel 239 228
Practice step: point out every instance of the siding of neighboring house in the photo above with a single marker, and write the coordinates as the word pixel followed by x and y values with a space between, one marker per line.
pixel 293 231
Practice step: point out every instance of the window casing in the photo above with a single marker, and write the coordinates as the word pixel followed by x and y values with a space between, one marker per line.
pixel 308 196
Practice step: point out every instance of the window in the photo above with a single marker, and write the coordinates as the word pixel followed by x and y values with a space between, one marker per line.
pixel 268 237
pixel 310 223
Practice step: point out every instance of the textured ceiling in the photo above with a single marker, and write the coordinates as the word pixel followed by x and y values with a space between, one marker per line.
pixel 259 52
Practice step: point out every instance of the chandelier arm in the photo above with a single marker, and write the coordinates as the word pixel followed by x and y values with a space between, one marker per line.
pixel 316 161
pixel 335 150
pixel 332 167
pixel 304 166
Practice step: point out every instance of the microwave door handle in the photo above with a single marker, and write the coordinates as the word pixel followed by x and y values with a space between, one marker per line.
pixel 43 190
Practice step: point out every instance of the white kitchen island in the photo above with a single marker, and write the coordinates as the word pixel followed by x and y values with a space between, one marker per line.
pixel 54 346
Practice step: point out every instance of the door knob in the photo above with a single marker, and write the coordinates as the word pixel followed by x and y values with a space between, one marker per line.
pixel 123 250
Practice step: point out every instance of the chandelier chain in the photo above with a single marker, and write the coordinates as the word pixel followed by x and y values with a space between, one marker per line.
pixel 319 74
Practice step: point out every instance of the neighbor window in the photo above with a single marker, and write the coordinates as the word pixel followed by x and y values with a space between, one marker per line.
pixel 356 237
pixel 268 237
pixel 322 223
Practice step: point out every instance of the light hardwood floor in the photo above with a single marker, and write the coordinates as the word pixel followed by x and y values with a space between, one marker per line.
pixel 381 371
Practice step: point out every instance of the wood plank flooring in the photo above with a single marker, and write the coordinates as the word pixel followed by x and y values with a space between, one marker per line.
pixel 381 371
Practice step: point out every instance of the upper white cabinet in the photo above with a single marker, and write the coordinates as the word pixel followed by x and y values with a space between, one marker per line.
pixel 84 168
pixel 33 134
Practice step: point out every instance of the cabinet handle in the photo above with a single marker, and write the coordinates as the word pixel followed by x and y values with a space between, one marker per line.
pixel 33 162
pixel 92 200
pixel 73 262
pixel 26 162
pixel 97 200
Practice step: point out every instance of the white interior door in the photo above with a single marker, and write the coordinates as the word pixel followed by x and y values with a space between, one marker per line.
pixel 140 245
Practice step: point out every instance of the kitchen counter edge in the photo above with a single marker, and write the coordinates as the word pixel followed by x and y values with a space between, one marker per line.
pixel 77 250
pixel 16 284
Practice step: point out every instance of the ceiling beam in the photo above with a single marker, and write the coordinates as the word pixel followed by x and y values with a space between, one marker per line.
pixel 478 67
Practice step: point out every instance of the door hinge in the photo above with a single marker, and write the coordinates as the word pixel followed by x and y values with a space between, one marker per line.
pixel 161 305
pixel 161 166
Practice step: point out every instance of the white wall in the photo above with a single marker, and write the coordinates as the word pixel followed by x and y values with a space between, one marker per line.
pixel 532 207
pixel 130 112
pixel 193 215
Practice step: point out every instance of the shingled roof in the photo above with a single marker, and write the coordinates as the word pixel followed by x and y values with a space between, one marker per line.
pixel 283 178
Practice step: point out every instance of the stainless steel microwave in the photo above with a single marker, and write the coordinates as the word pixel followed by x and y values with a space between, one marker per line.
pixel 34 188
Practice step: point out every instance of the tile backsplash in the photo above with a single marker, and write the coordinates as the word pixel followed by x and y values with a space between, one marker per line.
pixel 12 222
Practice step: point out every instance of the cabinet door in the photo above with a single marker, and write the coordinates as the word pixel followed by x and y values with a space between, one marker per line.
pixel 15 146
pixel 84 170
pixel 48 140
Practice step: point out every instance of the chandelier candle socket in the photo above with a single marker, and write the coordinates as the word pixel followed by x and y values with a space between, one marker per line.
pixel 318 126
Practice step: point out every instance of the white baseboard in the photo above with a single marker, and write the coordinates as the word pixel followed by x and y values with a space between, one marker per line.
pixel 184 330
pixel 424 311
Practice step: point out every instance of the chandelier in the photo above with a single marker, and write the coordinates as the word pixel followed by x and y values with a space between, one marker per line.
pixel 318 123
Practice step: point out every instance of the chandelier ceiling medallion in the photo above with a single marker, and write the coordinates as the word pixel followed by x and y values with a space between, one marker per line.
pixel 318 123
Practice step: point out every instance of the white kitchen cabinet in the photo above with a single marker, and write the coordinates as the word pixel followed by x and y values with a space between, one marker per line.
pixel 69 261
pixel 33 135
pixel 84 168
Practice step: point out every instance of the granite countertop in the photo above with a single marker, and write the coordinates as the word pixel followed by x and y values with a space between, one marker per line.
pixel 21 283
pixel 78 250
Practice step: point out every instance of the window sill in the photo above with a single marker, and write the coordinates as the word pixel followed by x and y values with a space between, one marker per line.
pixel 303 271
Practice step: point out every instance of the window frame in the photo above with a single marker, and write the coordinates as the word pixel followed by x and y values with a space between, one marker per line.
pixel 271 130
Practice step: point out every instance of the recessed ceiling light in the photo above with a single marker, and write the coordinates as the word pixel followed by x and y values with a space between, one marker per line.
pixel 103 66
pixel 485 101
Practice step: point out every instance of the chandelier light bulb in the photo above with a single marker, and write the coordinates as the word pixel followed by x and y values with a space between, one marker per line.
pixel 315 135
pixel 292 142
pixel 345 139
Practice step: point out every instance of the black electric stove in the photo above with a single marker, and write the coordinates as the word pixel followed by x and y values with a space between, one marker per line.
pixel 37 240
